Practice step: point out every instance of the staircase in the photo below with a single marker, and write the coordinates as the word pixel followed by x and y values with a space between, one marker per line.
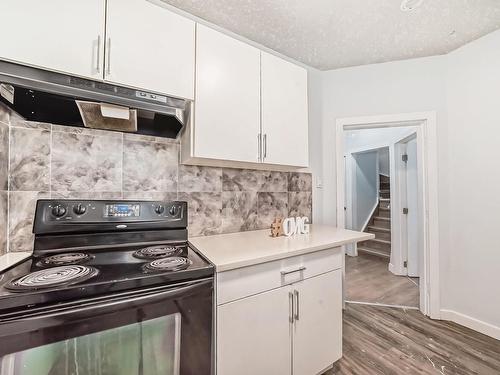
pixel 380 224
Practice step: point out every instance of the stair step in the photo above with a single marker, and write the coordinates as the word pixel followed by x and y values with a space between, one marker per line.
pixel 380 241
pixel 384 212
pixel 385 199
pixel 373 252
pixel 377 244
pixel 379 229
pixel 380 233
pixel 381 222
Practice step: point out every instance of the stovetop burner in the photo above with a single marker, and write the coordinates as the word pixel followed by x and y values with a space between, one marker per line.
pixel 155 252
pixel 64 259
pixel 168 264
pixel 52 277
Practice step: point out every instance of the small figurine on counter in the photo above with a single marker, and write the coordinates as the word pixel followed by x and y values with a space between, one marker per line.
pixel 277 227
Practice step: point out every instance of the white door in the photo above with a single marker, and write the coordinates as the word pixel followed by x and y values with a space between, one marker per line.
pixel 60 35
pixel 412 204
pixel 254 335
pixel 149 47
pixel 317 341
pixel 284 112
pixel 227 105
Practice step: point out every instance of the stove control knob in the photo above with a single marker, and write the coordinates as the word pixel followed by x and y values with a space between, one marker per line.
pixel 79 209
pixel 159 209
pixel 59 211
pixel 173 211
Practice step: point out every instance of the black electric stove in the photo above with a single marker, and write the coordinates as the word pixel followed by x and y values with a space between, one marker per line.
pixel 106 266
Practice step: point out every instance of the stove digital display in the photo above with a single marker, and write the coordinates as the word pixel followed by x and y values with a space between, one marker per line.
pixel 122 210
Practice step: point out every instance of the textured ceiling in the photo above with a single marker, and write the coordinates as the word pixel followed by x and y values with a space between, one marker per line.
pixel 330 34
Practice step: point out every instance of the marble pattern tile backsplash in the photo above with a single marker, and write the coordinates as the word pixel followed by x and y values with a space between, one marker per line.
pixel 39 160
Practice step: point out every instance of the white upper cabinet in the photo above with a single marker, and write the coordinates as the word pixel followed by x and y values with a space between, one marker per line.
pixel 284 112
pixel 227 103
pixel 149 47
pixel 61 35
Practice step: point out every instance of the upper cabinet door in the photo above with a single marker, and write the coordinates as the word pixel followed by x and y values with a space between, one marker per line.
pixel 61 35
pixel 284 112
pixel 149 47
pixel 317 341
pixel 227 104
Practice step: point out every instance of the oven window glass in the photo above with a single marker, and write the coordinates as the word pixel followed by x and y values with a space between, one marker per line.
pixel 151 347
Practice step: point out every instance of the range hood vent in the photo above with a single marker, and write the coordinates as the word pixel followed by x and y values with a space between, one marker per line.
pixel 43 96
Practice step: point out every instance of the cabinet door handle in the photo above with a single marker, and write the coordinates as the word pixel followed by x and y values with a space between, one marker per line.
pixel 265 146
pixel 297 304
pixel 259 141
pixel 108 51
pixel 98 55
pixel 284 273
pixel 290 306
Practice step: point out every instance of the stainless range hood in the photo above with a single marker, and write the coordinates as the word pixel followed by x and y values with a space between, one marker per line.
pixel 40 95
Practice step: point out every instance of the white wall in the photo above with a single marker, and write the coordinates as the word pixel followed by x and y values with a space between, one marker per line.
pixel 464 89
pixel 366 187
pixel 384 162
pixel 315 95
pixel 473 102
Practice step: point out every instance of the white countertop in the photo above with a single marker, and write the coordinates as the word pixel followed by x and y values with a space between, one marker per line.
pixel 236 250
pixel 9 259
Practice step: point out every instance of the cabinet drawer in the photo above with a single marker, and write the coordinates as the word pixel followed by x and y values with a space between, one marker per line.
pixel 247 281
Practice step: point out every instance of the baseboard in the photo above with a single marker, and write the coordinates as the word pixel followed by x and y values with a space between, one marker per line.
pixel 391 268
pixel 472 323
pixel 395 271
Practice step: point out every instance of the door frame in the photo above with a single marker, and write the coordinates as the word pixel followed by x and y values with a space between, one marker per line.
pixel 401 196
pixel 425 122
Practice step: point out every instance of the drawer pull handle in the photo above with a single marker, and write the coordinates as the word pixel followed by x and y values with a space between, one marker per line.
pixel 300 269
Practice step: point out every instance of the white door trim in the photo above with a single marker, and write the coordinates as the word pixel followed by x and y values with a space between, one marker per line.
pixel 426 125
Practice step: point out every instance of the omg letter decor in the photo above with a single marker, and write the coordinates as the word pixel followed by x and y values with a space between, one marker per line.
pixel 295 225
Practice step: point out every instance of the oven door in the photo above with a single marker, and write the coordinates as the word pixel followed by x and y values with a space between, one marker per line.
pixel 158 331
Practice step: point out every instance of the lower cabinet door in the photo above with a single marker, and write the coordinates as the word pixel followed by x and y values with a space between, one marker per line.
pixel 317 340
pixel 254 335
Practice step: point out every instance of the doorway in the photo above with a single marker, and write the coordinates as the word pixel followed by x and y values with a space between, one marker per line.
pixel 373 272
pixel 425 146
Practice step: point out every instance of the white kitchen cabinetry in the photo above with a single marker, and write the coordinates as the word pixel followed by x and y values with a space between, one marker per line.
pixel 134 43
pixel 317 336
pixel 284 112
pixel 61 35
pixel 149 47
pixel 254 335
pixel 251 107
pixel 294 327
pixel 227 103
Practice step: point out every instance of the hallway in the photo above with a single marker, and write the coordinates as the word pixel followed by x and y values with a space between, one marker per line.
pixel 369 280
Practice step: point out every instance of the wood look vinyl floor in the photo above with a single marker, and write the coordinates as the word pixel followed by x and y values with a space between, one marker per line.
pixel 389 341
pixel 369 280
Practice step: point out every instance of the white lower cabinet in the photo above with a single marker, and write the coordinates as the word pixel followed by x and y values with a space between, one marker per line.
pixel 293 329
pixel 317 330
pixel 254 335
